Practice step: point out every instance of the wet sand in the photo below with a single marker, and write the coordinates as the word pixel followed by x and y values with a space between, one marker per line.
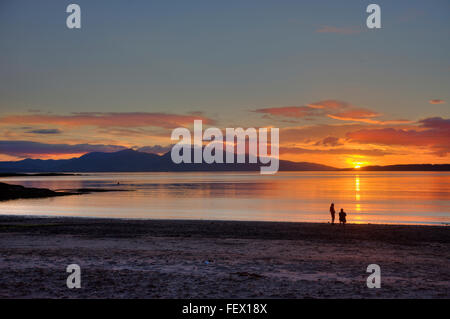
pixel 219 259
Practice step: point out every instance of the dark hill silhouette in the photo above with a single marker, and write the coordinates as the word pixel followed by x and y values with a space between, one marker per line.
pixel 406 167
pixel 133 161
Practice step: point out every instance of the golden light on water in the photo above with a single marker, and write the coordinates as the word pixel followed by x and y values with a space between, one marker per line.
pixel 357 197
pixel 357 189
pixel 367 197
pixel 357 184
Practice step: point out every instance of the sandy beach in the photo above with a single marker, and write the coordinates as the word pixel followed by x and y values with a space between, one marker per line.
pixel 219 259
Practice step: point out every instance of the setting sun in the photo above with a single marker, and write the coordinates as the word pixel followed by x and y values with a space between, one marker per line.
pixel 357 162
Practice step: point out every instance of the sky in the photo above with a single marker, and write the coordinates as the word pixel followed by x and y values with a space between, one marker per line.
pixel 341 94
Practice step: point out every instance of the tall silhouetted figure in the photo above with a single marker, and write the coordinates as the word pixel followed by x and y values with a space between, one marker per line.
pixel 333 213
pixel 342 217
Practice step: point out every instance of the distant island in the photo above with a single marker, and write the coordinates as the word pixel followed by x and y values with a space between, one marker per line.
pixel 8 192
pixel 134 161
pixel 405 167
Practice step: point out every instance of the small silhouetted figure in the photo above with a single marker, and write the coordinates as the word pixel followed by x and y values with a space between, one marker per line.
pixel 333 213
pixel 342 216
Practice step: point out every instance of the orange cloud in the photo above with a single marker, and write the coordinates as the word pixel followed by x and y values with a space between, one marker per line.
pixel 431 132
pixel 44 150
pixel 355 114
pixel 330 104
pixel 315 132
pixel 369 120
pixel 320 108
pixel 335 109
pixel 436 101
pixel 30 149
pixel 329 141
pixel 134 119
pixel 336 151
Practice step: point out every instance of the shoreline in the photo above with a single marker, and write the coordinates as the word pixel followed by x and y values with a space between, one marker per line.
pixel 144 219
pixel 226 227
pixel 219 259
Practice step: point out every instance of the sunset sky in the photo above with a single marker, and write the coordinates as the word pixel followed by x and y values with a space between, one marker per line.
pixel 341 94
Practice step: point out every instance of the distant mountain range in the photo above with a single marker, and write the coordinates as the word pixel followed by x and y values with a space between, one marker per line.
pixel 134 161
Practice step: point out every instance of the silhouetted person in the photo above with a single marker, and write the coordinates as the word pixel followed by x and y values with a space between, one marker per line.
pixel 333 213
pixel 342 217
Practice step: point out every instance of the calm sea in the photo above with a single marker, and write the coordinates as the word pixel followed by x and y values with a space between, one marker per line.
pixel 367 197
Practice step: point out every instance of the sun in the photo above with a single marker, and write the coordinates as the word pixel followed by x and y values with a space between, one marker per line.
pixel 357 163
